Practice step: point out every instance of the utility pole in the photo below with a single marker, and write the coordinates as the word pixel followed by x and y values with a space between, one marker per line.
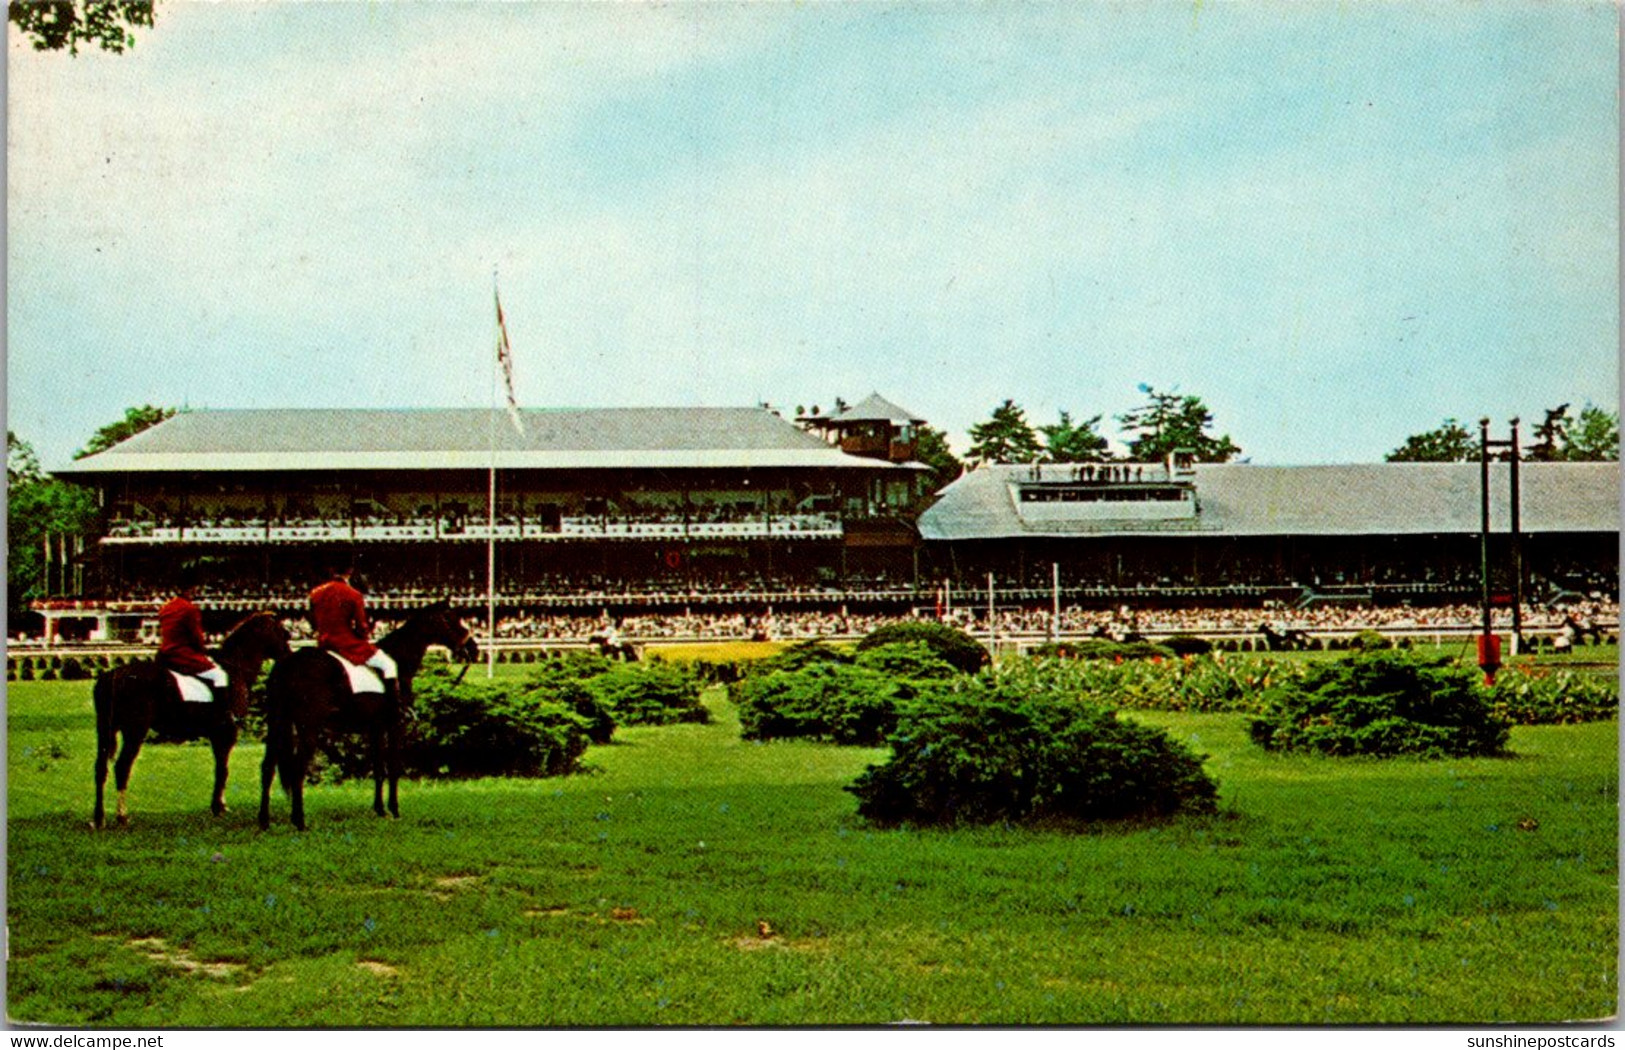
pixel 1489 646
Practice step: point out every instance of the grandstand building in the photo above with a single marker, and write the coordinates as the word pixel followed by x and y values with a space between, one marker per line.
pixel 1362 532
pixel 667 498
pixel 613 511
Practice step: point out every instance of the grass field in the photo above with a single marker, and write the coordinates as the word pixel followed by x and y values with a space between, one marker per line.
pixel 1325 891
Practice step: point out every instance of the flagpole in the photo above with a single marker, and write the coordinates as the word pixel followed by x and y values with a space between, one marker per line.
pixel 491 514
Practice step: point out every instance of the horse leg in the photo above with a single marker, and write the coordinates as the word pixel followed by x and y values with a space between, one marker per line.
pixel 296 790
pixel 103 755
pixel 392 739
pixel 103 694
pixel 267 774
pixel 377 746
pixel 223 739
pixel 134 736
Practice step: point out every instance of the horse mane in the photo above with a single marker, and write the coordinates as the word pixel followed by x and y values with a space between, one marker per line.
pixel 226 650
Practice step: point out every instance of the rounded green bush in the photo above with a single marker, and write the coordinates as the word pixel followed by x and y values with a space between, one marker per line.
pixel 840 703
pixel 1188 645
pixel 989 751
pixel 650 694
pixel 1386 702
pixel 911 660
pixel 951 644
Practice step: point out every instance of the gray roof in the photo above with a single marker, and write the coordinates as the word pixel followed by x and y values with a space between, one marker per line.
pixel 1344 499
pixel 416 439
pixel 874 407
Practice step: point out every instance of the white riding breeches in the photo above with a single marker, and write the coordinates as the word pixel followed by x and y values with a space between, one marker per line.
pixel 384 663
pixel 215 676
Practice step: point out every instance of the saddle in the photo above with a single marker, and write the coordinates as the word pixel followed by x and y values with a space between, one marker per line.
pixel 193 690
pixel 363 679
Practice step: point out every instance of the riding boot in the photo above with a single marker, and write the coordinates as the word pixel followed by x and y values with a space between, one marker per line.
pixel 392 696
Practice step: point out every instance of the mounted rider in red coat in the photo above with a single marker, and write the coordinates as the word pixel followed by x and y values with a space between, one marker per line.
pixel 338 613
pixel 182 646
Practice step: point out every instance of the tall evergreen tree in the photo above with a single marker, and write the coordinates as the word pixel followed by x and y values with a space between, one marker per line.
pixel 1006 437
pixel 1068 442
pixel 1168 422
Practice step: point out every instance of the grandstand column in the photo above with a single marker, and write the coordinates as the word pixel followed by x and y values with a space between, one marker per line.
pixel 1055 602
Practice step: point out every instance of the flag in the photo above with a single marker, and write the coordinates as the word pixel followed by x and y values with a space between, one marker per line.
pixel 505 359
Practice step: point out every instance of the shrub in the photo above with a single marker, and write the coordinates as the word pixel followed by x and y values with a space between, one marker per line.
pixel 1526 695
pixel 799 655
pixel 1103 649
pixel 951 644
pixel 840 703
pixel 1370 641
pixel 1188 645
pixel 992 751
pixel 1382 703
pixel 910 660
pixel 25 671
pixel 479 728
pixel 565 682
pixel 74 671
pixel 649 694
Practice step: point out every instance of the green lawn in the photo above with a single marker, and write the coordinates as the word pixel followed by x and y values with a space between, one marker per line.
pixel 1326 891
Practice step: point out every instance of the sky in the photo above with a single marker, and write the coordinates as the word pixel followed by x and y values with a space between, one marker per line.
pixel 1338 223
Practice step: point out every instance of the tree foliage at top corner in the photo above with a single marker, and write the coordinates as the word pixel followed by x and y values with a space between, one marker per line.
pixel 134 422
pixel 55 25
pixel 1170 422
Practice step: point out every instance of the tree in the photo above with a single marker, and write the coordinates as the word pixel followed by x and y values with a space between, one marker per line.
pixel 1005 438
pixel 1067 442
pixel 1168 422
pixel 931 448
pixel 134 422
pixel 22 464
pixel 37 507
pixel 1449 443
pixel 1550 436
pixel 57 24
pixel 1594 437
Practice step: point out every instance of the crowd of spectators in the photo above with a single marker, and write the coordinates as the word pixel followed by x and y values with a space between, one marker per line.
pixel 798 625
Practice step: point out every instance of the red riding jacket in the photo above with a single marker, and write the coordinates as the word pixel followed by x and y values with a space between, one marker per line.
pixel 181 643
pixel 340 618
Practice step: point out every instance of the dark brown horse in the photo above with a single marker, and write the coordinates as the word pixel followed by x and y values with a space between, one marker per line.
pixel 308 693
pixel 142 697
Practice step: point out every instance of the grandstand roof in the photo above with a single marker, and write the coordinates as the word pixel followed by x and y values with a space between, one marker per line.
pixel 873 408
pixel 418 439
pixel 1341 500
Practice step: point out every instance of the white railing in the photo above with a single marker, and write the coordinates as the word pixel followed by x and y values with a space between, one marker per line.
pixel 803 526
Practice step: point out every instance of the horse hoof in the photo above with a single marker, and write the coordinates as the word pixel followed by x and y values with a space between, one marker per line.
pixel 123 821
pixel 219 809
